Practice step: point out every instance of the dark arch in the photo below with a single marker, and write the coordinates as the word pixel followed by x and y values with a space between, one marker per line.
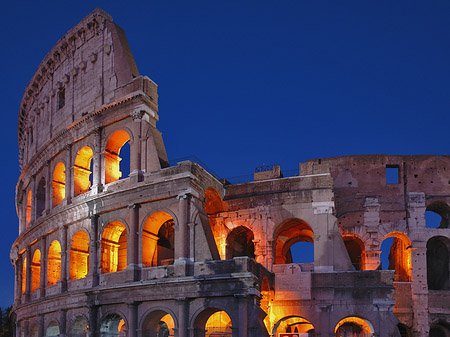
pixel 240 243
pixel 158 323
pixel 438 263
pixel 355 250
pixel 443 210
pixel 40 198
pixel 289 232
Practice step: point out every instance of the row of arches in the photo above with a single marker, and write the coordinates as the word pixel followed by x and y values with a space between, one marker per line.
pixel 116 166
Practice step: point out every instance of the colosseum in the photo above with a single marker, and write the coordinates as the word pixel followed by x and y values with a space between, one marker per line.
pixel 154 249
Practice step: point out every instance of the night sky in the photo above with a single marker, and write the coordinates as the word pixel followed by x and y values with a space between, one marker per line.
pixel 247 83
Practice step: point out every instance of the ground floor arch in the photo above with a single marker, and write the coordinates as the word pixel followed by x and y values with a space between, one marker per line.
pixel 213 322
pixel 113 325
pixel 438 263
pixel 79 327
pixel 354 327
pixel 158 323
pixel 52 329
pixel 293 324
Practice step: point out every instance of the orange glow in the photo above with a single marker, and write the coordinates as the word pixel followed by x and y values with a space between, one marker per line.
pixel 121 328
pixel 29 198
pixel 82 170
pixel 36 270
pixel 114 247
pixel 24 274
pixel 58 184
pixel 158 240
pixel 400 257
pixel 112 159
pixel 54 263
pixel 289 232
pixel 350 324
pixel 79 255
pixel 294 324
pixel 218 324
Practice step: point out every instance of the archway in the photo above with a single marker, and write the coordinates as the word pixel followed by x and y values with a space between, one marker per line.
pixel 441 329
pixel 396 255
pixel 354 327
pixel 114 247
pixel 52 329
pixel 355 250
pixel 24 274
pixel 437 215
pixel 58 184
pixel 79 255
pixel 40 197
pixel 438 263
pixel 36 270
pixel 213 323
pixel 158 235
pixel 158 324
pixel 404 330
pixel 213 201
pixel 240 243
pixel 82 171
pixel 113 147
pixel 79 327
pixel 28 208
pixel 293 324
pixel 290 232
pixel 54 263
pixel 34 332
pixel 113 325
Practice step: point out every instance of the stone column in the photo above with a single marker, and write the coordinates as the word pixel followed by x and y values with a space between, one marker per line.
pixel 182 317
pixel 64 259
pixel 93 250
pixel 181 238
pixel 63 323
pixel 133 270
pixel 69 174
pixel 133 319
pixel 18 329
pixel 97 166
pixel 93 321
pixel 33 201
pixel 28 276
pixel 419 289
pixel 135 144
pixel 43 276
pixel 48 189
pixel 243 315
pixel 26 328
pixel 41 325
pixel 191 226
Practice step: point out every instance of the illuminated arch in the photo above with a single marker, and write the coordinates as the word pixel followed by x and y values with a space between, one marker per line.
pixel 28 208
pixel 40 197
pixel 112 159
pixel 213 322
pixel 158 235
pixel 36 270
pixel 52 329
pixel 114 247
pixel 24 275
pixel 399 256
pixel 113 325
pixel 287 234
pixel 79 327
pixel 213 201
pixel 82 171
pixel 438 260
pixel 54 264
pixel 354 326
pixel 240 243
pixel 355 249
pixel 293 324
pixel 58 184
pixel 79 255
pixel 158 323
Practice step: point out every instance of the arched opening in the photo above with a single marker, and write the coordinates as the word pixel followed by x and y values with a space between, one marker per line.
pixel 24 275
pixel 79 327
pixel 404 330
pixel 290 232
pixel 158 324
pixel 213 323
pixel 158 237
pixel 58 184
pixel 437 215
pixel 52 329
pixel 113 167
pixel 54 263
pixel 113 325
pixel 34 332
pixel 79 255
pixel 82 170
pixel 114 247
pixel 36 270
pixel 354 327
pixel 213 201
pixel 438 263
pixel 293 324
pixel 440 329
pixel 40 197
pixel 28 216
pixel 396 255
pixel 355 250
pixel 240 243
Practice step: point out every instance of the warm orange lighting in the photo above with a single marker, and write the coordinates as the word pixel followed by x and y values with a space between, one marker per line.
pixel 122 328
pixel 58 184
pixel 112 158
pixel 400 257
pixel 36 270
pixel 54 263
pixel 24 274
pixel 114 247
pixel 353 326
pixel 158 240
pixel 294 324
pixel 218 324
pixel 79 255
pixel 288 233
pixel 82 170
pixel 29 198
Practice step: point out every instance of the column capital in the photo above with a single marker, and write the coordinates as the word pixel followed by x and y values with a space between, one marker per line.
pixel 134 206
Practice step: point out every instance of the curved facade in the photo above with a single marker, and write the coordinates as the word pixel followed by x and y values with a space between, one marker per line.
pixel 115 242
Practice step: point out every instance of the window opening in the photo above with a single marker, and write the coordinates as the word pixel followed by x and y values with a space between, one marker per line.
pixel 240 243
pixel 58 184
pixel 114 247
pixel 79 255
pixel 114 168
pixel 54 264
pixel 396 255
pixel 392 174
pixel 61 98
pixel 438 263
pixel 158 240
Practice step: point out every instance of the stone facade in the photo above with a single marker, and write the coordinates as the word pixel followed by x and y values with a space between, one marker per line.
pixel 172 251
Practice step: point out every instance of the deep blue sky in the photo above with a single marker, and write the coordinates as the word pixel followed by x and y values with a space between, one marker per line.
pixel 243 83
